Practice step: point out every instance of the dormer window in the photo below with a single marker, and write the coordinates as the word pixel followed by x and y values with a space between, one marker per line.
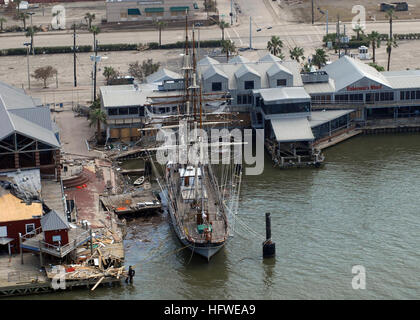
pixel 281 82
pixel 249 85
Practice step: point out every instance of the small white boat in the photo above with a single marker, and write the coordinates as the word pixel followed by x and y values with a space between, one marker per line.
pixel 139 181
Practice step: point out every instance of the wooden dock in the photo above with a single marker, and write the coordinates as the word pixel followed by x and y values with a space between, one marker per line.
pixel 26 279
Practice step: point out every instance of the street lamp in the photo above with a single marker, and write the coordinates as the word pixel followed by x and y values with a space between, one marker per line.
pixel 27 44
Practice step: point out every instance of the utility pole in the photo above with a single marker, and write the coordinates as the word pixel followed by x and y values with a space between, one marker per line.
pixel 327 24
pixel 231 12
pixel 74 55
pixel 338 36
pixel 250 32
pixel 27 60
pixel 94 74
pixel 312 11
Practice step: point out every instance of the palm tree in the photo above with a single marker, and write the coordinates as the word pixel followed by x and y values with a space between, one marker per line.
pixel 297 53
pixel 95 30
pixel 89 17
pixel 97 117
pixel 375 40
pixel 2 20
pixel 23 16
pixel 390 14
pixel 319 58
pixel 228 47
pixel 391 43
pixel 223 25
pixel 30 32
pixel 160 25
pixel 358 29
pixel 275 45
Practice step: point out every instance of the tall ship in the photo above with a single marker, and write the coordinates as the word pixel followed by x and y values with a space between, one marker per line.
pixel 202 198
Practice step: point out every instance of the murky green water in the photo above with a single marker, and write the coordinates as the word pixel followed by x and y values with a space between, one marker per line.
pixel 361 208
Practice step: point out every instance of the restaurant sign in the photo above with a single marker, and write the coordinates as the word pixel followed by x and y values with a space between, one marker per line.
pixel 371 87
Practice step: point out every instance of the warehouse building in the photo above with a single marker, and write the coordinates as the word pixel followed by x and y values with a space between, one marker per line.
pixel 28 136
pixel 149 10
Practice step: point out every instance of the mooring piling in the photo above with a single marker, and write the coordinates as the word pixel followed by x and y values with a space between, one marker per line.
pixel 269 247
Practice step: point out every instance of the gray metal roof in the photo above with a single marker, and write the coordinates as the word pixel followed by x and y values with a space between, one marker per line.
pixel 270 58
pixel 19 113
pixel 244 70
pixel 292 129
pixel 260 67
pixel 211 71
pixel 162 75
pixel 238 59
pixel 321 87
pixel 207 61
pixel 346 71
pixel 405 79
pixel 283 93
pixel 53 221
pixel 318 118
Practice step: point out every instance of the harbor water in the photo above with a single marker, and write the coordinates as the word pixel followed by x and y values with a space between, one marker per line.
pixel 362 208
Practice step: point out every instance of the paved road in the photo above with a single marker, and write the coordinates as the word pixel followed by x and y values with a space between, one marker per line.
pixel 262 11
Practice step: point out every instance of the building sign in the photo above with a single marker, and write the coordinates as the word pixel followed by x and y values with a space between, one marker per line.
pixel 371 87
pixel 56 238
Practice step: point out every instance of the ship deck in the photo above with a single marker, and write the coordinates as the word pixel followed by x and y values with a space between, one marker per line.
pixel 187 215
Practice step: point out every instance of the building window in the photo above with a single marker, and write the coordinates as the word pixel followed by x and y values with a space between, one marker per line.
pixel 133 110
pixel 281 82
pixel 239 99
pixel 29 227
pixel 56 238
pixel 134 12
pixel 113 111
pixel 216 86
pixel 123 111
pixel 141 111
pixel 249 85
pixel 402 95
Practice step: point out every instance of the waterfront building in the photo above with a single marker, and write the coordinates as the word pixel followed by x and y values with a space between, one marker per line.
pixel 28 136
pixel 128 106
pixel 150 10
pixel 272 92
pixel 350 83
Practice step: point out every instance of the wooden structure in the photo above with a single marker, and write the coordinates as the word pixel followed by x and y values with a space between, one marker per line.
pixel 131 203
pixel 17 217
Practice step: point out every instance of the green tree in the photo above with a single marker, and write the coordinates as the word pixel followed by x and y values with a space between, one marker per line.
pixel 319 58
pixel 275 45
pixel 391 43
pixel 390 14
pixel 375 40
pixel 2 20
pixel 95 31
pixel 22 16
pixel 160 25
pixel 97 117
pixel 377 66
pixel 222 26
pixel 228 47
pixel 141 71
pixel 297 54
pixel 30 32
pixel 44 73
pixel 89 17
pixel 110 73
pixel 358 29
